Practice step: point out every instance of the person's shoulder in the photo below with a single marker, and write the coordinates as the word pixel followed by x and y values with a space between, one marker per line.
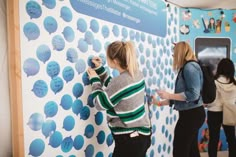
pixel 122 79
pixel 223 85
pixel 194 62
pixel 191 65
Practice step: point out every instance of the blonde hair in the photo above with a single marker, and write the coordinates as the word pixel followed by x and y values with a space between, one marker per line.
pixel 182 53
pixel 124 53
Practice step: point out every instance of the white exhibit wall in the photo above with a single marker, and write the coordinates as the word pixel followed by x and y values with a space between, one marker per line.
pixel 57 43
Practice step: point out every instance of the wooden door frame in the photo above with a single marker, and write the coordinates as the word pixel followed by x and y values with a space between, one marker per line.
pixel 14 73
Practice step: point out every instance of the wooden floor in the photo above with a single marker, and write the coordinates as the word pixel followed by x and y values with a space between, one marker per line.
pixel 219 154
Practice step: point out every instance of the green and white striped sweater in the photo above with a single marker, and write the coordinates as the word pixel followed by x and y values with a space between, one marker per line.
pixel 123 98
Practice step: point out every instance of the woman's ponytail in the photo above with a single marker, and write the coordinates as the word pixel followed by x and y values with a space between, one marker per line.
pixel 125 54
pixel 131 60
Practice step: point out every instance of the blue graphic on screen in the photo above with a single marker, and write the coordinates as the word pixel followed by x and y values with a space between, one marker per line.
pixel 211 55
pixel 132 14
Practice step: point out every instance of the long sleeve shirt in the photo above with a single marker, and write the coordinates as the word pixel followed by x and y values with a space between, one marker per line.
pixel 123 99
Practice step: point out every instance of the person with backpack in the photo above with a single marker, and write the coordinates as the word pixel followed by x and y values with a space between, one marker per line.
pixel 225 89
pixel 187 101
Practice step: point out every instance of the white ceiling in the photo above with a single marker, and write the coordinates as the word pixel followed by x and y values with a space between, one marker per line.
pixel 204 4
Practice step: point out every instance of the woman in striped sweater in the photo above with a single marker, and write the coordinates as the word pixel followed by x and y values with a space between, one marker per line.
pixel 123 99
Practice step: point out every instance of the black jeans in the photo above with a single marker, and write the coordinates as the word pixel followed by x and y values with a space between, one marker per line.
pixel 126 146
pixel 214 121
pixel 186 132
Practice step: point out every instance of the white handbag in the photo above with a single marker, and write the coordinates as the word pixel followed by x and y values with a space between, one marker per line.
pixel 229 112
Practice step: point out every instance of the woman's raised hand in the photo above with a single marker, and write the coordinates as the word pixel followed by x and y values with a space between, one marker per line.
pixel 91 73
pixel 97 61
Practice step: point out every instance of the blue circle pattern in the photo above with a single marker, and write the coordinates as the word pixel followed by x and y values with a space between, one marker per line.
pixel 156 70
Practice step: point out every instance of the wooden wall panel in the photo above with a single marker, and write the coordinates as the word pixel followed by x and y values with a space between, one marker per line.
pixel 14 60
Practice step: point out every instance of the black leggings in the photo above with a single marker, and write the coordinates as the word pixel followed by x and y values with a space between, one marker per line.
pixel 186 132
pixel 214 123
pixel 125 146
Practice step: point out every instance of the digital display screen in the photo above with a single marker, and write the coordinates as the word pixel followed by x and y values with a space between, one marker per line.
pixel 210 51
pixel 211 55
